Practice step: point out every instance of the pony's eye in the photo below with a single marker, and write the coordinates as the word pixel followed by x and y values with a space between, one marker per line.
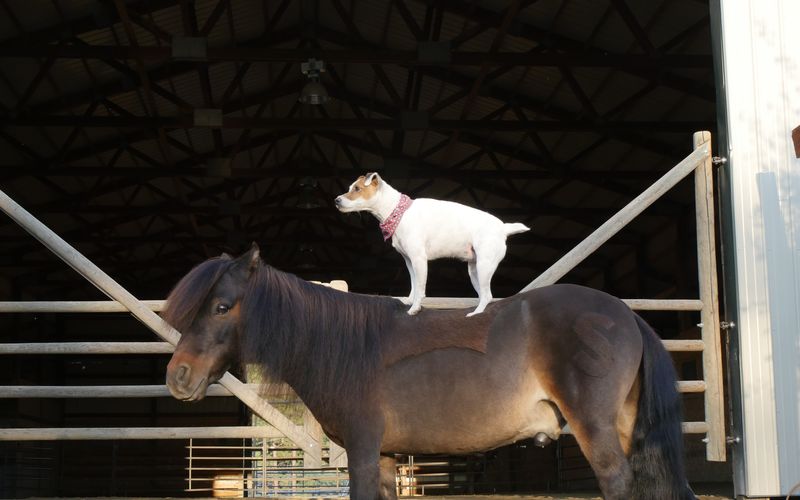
pixel 222 309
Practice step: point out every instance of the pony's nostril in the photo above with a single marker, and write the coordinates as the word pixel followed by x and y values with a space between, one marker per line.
pixel 182 376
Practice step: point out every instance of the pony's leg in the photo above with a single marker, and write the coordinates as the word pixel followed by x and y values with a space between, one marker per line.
pixel 410 268
pixel 600 444
pixel 363 456
pixel 364 475
pixel 388 486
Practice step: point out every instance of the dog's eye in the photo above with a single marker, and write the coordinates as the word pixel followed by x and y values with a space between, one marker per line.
pixel 221 309
pixel 356 189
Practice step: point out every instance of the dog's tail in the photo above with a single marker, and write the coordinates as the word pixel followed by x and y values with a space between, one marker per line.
pixel 515 228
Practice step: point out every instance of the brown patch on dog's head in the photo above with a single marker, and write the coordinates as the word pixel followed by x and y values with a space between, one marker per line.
pixel 365 187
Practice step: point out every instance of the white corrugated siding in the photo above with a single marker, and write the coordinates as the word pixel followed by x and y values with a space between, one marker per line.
pixel 761 48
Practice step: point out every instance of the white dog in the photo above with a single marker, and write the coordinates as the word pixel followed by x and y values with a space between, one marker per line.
pixel 427 229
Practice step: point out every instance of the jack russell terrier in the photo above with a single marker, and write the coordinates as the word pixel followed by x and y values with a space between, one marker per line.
pixel 426 229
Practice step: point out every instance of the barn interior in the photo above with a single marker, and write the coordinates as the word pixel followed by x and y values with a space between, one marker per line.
pixel 153 134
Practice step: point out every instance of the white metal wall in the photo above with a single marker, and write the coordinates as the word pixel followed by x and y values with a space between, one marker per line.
pixel 760 45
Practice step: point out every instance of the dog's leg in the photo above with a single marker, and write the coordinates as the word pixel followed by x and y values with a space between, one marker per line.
pixel 420 265
pixel 486 266
pixel 408 301
pixel 473 276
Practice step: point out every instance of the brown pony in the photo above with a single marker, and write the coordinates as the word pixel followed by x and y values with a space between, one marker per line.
pixel 382 382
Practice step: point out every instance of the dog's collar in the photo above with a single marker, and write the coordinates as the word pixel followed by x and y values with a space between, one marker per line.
pixel 389 226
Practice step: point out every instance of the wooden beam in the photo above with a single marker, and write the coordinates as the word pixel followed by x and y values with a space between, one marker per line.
pixel 187 121
pixel 557 43
pixel 366 56
pixel 613 225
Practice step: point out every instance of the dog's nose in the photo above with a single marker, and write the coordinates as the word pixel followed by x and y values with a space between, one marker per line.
pixel 338 200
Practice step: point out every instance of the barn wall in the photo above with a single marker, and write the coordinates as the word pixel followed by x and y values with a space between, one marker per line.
pixel 760 84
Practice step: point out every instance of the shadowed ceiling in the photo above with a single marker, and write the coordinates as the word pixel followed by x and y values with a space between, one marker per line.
pixel 152 134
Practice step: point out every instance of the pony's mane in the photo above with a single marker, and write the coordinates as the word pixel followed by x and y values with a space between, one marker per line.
pixel 325 343
pixel 184 301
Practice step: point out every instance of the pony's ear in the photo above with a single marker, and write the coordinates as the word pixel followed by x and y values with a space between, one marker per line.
pixel 249 260
pixel 254 255
pixel 226 256
pixel 372 177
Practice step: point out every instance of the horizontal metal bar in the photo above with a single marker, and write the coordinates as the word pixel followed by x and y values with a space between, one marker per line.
pixel 87 348
pixel 86 306
pixel 124 433
pixel 687 427
pixel 664 304
pixel 681 345
pixel 691 386
pixel 161 391
pixel 108 306
pixel 101 391
pixel 113 433
pixel 695 427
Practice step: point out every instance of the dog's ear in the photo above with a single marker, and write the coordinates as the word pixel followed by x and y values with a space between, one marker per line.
pixel 372 177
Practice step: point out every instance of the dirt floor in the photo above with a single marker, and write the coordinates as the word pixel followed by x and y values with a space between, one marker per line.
pixel 574 496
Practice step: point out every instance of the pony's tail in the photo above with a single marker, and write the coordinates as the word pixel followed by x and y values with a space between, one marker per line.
pixel 657 447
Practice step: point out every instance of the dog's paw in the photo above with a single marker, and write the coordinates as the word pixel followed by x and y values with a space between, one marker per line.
pixel 406 300
pixel 414 310
pixel 473 313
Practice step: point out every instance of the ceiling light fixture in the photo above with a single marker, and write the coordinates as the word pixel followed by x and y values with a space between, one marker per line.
pixel 313 92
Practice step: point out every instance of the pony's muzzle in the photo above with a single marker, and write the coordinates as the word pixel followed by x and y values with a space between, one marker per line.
pixel 179 379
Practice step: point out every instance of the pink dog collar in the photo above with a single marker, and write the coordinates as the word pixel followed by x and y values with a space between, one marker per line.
pixel 389 226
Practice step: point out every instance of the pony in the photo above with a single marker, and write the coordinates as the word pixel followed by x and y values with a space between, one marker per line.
pixel 381 382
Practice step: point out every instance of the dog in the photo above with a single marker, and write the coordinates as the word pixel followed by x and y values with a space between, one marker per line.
pixel 426 229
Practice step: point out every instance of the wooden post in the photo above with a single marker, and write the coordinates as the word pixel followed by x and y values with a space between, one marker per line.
pixel 709 315
pixel 143 313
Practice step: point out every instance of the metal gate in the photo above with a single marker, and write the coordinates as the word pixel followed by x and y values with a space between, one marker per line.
pixel 713 426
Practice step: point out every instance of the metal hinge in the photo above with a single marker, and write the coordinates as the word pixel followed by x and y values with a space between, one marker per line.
pixel 719 160
pixel 728 440
pixel 726 325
